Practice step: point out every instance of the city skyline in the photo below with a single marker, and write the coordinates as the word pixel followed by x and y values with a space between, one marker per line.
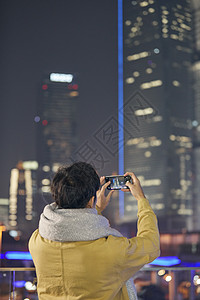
pixel 67 37
pixel 164 33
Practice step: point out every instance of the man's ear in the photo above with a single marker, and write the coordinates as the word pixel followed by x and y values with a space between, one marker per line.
pixel 91 203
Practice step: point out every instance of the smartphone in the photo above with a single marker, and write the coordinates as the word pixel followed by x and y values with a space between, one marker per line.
pixel 118 182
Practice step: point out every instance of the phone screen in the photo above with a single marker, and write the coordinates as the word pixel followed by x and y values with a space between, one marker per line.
pixel 117 182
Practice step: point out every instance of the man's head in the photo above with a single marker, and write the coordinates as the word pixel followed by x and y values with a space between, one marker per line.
pixel 75 186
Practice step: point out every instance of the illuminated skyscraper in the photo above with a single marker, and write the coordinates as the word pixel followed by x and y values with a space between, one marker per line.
pixel 58 118
pixel 22 198
pixel 196 122
pixel 158 107
pixel 57 127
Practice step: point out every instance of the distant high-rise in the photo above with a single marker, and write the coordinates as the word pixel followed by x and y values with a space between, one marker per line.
pixel 158 107
pixel 196 122
pixel 23 215
pixel 58 118
pixel 57 128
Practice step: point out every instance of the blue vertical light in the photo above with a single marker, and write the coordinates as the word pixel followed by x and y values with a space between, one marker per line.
pixel 120 101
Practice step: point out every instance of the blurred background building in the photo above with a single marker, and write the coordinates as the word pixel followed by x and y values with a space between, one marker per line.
pixel 158 89
pixel 196 86
pixel 23 213
pixel 57 119
pixel 57 122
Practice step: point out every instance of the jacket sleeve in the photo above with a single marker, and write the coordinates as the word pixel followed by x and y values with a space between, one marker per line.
pixel 143 248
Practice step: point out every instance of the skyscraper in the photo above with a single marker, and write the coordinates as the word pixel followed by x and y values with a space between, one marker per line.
pixel 22 198
pixel 158 107
pixel 57 127
pixel 58 118
pixel 196 122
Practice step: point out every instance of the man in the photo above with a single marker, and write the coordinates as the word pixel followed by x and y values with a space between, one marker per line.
pixel 77 254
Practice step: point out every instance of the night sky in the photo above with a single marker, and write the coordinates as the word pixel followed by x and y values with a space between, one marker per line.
pixel 41 36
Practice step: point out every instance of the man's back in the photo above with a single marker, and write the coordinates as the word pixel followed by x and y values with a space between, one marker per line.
pixel 95 269
pixel 77 255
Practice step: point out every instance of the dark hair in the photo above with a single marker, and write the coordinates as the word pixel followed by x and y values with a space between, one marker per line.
pixel 74 186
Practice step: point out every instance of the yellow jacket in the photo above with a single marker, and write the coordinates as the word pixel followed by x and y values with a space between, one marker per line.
pixel 94 270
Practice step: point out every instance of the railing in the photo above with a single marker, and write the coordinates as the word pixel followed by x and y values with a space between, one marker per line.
pixel 173 283
pixel 18 284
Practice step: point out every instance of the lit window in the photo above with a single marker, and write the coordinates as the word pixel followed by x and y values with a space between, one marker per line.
pixel 157 118
pixel 165 30
pixel 134 29
pixel 159 206
pixel 32 165
pixel 144 4
pixel 184 211
pixel 164 21
pixel 12 217
pixel 184 26
pixel 138 56
pixel 172 137
pixel 143 145
pixel 165 12
pixel 136 74
pixel 45 181
pixel 131 35
pixel 176 83
pixel 55 167
pixel 151 182
pixel 13 223
pixel 45 189
pixel 46 168
pixel 174 23
pixel 139 19
pixel 155 143
pixel 135 141
pixel 149 70
pixel 165 36
pixel 151 84
pixel 180 20
pixel 155 23
pixel 145 12
pixel 151 10
pixel 147 154
pixel 144 112
pixel 130 80
pixel 174 36
pixel 128 23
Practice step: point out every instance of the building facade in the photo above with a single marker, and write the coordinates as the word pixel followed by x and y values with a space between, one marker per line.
pixel 196 123
pixel 57 118
pixel 158 108
pixel 57 128
pixel 23 215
